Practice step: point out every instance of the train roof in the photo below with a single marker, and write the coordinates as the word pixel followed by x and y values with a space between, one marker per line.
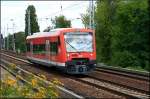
pixel 53 32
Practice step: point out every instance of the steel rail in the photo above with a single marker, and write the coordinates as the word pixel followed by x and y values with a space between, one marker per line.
pixel 124 70
pixel 114 89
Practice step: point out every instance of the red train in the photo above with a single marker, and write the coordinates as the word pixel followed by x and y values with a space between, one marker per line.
pixel 72 49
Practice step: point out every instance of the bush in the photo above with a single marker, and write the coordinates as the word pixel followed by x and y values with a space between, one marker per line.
pixel 147 67
pixel 124 59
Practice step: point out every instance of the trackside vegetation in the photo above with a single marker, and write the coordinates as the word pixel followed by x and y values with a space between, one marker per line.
pixel 122 33
pixel 13 88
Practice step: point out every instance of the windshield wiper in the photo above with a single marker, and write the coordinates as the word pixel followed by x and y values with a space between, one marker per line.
pixel 72 46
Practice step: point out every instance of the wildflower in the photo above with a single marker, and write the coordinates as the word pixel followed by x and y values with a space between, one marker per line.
pixel 39 95
pixel 42 89
pixel 34 82
pixel 55 94
pixel 10 81
pixel 57 82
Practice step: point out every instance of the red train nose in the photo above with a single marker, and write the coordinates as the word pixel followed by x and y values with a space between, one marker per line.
pixel 74 55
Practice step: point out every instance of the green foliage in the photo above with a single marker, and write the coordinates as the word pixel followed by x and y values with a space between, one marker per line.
pixel 61 22
pixel 85 19
pixel 8 42
pixel 33 20
pixel 147 67
pixel 122 33
pixel 20 42
pixel 104 18
pixel 131 32
pixel 124 59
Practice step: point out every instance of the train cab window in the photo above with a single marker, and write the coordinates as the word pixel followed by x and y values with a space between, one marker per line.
pixel 39 48
pixel 53 48
pixel 28 47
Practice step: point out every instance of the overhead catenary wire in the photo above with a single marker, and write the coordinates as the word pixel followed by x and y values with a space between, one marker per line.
pixel 71 6
pixel 50 16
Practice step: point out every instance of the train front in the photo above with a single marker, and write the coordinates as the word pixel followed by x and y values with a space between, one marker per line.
pixel 80 52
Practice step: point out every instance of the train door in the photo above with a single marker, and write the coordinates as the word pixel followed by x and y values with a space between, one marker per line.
pixel 54 51
pixel 47 50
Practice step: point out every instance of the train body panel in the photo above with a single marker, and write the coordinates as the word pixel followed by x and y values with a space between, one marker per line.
pixel 70 48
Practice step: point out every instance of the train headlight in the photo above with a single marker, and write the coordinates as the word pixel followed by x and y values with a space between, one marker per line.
pixel 91 54
pixel 68 55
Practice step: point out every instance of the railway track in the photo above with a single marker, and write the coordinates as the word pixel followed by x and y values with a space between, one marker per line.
pixel 121 85
pixel 103 68
pixel 97 83
pixel 124 72
pixel 113 88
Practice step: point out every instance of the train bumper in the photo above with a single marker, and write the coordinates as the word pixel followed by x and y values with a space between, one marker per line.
pixel 75 68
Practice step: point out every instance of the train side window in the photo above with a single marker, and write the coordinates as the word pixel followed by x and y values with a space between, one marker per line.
pixel 39 48
pixel 53 48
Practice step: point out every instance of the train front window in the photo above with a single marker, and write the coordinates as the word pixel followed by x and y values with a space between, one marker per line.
pixel 79 42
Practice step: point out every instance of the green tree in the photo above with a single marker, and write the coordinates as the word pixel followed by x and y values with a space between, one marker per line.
pixel 85 19
pixel 61 22
pixel 104 18
pixel 20 42
pixel 10 42
pixel 1 41
pixel 34 27
pixel 122 32
pixel 130 39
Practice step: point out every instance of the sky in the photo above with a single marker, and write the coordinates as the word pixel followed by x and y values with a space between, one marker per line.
pixel 13 12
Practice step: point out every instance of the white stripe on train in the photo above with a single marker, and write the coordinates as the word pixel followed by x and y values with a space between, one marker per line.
pixel 47 62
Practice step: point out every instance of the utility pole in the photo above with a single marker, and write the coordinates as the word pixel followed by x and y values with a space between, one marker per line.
pixel 29 27
pixel 7 38
pixel 61 11
pixel 14 45
pixel 90 14
pixel 1 40
pixel 14 49
pixel 91 11
pixel 4 37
